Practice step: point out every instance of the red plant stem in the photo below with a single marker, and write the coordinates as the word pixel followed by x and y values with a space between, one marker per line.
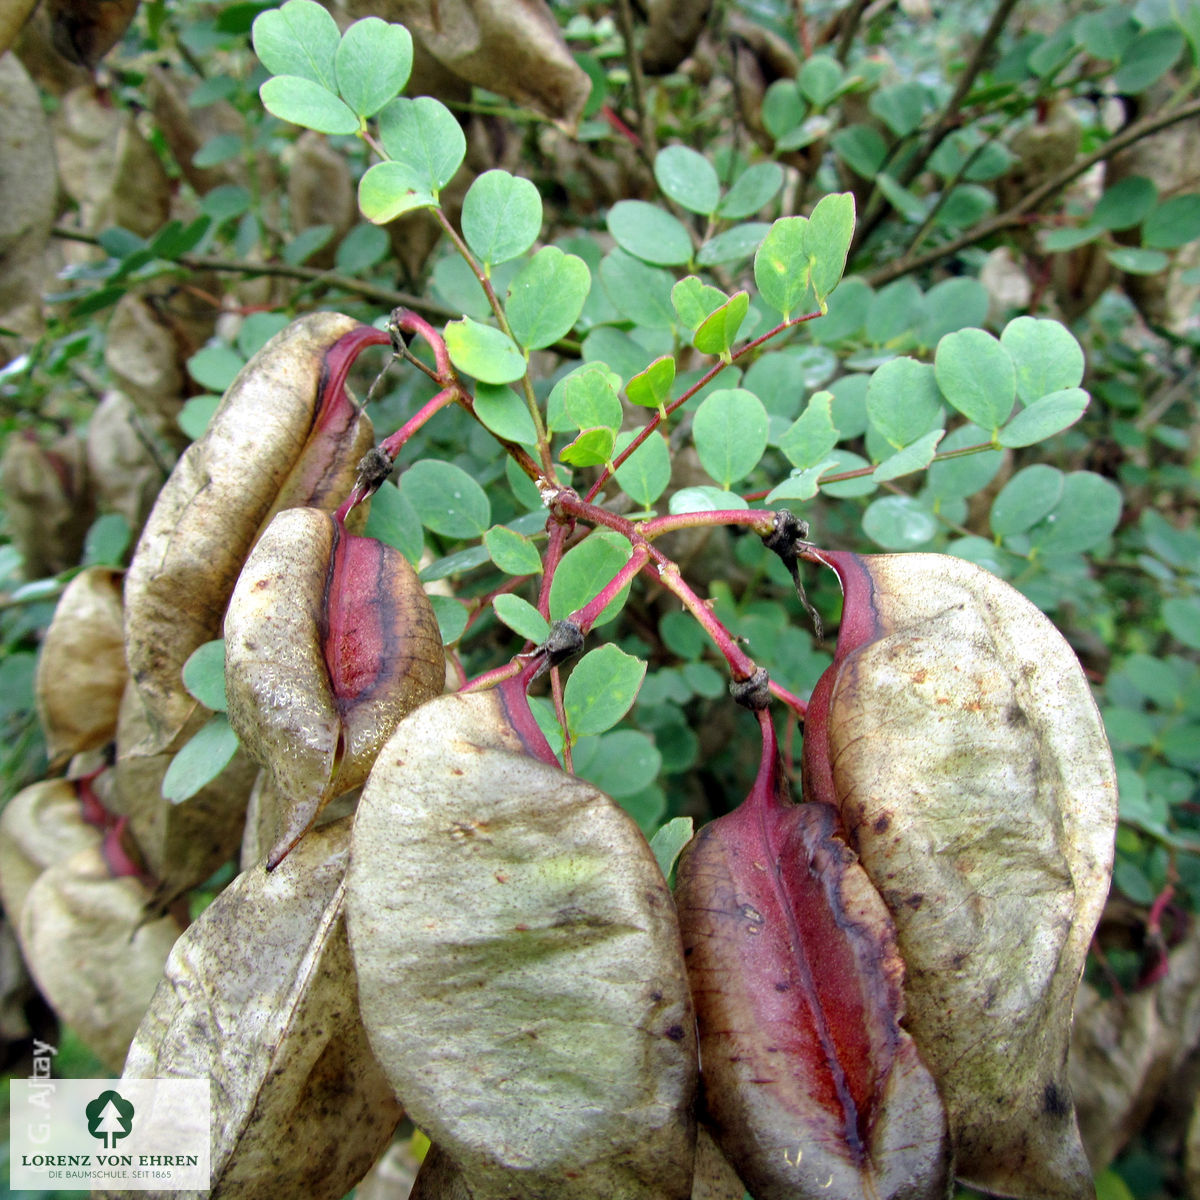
pixel 497 675
pixel 798 706
pixel 587 616
pixel 741 665
pixel 391 445
pixel 407 321
pixel 657 419
pixel 557 536
pixel 759 520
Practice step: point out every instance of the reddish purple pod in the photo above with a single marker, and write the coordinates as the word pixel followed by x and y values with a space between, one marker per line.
pixel 812 1086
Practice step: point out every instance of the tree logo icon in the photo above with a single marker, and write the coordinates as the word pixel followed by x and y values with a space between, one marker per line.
pixel 109 1117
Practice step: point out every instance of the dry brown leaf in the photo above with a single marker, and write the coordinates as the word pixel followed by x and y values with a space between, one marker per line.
pixel 41 825
pixel 958 736
pixel 259 996
pixel 95 951
pixel 329 641
pixel 285 434
pixel 144 357
pixel 12 17
pixel 527 997
pixel 81 668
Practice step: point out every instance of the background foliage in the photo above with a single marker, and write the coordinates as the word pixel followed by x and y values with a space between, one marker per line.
pixel 1005 163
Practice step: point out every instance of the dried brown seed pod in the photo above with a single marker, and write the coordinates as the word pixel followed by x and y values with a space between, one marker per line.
pixel 285 434
pixel 330 641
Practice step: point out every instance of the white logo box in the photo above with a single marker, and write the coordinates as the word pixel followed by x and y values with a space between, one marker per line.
pixel 80 1134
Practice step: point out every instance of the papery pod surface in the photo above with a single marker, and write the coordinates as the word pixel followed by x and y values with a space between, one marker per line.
pixel 184 843
pixel 1129 1047
pixel 28 185
pixel 259 996
pixel 41 825
pixel 128 459
pixel 956 734
pixel 516 49
pixel 519 962
pixel 269 812
pixel 714 1178
pixel 810 1083
pixel 81 667
pixel 94 949
pixel 329 641
pixel 285 434
pixel 85 31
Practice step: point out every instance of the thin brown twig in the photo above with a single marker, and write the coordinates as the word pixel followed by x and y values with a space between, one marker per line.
pixel 849 27
pixel 637 83
pixel 327 279
pixel 949 116
pixel 1031 201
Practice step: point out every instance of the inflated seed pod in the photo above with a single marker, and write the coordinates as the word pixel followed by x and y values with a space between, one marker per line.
pixel 259 994
pixel 41 825
pixel 519 966
pixel 812 1086
pixel 956 735
pixel 329 642
pixel 285 434
pixel 94 947
pixel 81 668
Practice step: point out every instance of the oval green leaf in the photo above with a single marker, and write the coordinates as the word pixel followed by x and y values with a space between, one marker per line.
pixel 200 760
pixel 501 216
pixel 547 297
pixel 299 38
pixel 446 499
pixel 688 178
pixel 584 570
pixel 521 617
pixel 386 192
pixel 730 432
pixel 601 690
pixel 373 62
pixel 204 674
pixel 512 552
pixel 425 138
pixel 302 102
pixel 976 375
pixel 649 233
pixel 486 353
